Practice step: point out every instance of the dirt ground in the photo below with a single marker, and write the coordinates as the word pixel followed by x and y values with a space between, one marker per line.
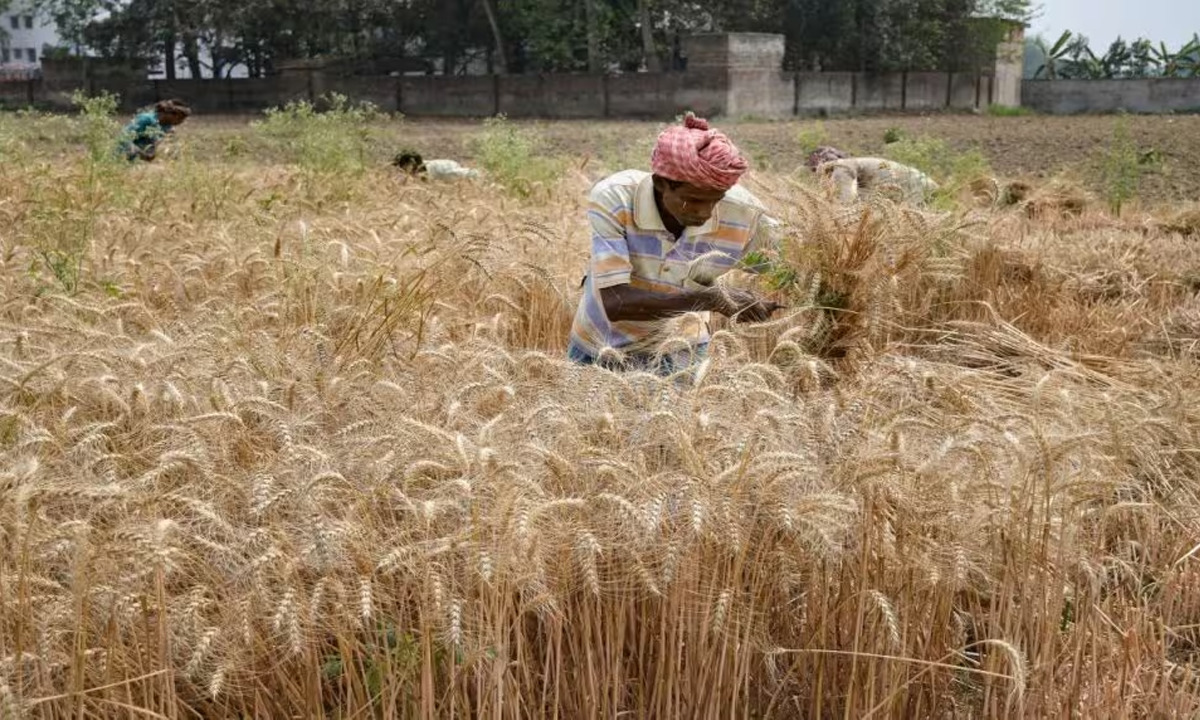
pixel 1033 147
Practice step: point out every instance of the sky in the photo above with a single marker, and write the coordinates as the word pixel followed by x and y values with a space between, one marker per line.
pixel 1172 21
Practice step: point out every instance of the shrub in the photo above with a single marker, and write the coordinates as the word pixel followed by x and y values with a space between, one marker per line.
pixel 98 124
pixel 65 214
pixel 893 135
pixel 332 140
pixel 812 136
pixel 952 169
pixel 514 156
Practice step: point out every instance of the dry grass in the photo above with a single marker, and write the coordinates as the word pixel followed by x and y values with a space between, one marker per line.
pixel 306 446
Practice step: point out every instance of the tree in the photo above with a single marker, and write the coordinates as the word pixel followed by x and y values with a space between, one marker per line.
pixel 212 36
pixel 1055 56
pixel 649 49
pixel 497 38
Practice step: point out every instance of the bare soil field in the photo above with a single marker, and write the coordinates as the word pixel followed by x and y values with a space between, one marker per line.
pixel 286 434
pixel 1037 147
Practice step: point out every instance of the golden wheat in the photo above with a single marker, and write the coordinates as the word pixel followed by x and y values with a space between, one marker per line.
pixel 303 445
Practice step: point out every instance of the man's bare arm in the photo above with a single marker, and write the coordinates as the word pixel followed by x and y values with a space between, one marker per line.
pixel 625 302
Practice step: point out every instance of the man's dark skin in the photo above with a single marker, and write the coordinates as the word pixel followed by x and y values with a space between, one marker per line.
pixel 682 205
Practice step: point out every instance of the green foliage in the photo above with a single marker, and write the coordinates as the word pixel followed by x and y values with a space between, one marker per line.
pixel 936 158
pixel 533 35
pixel 97 115
pixel 392 659
pixel 779 276
pixel 958 35
pixel 327 141
pixel 1008 111
pixel 64 215
pixel 812 136
pixel 952 169
pixel 1070 57
pixel 514 156
pixel 893 135
pixel 1121 167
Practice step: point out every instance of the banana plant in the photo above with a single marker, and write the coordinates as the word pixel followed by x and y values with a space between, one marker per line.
pixel 1082 63
pixel 1188 59
pixel 1185 63
pixel 1143 62
pixel 1054 57
pixel 1114 63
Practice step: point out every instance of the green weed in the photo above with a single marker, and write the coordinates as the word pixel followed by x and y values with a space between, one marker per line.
pixel 326 141
pixel 98 125
pixel 812 136
pixel 65 214
pixel 514 157
pixel 1008 111
pixel 1121 167
pixel 952 169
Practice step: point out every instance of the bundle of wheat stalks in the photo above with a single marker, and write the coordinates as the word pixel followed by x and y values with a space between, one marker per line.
pixel 305 461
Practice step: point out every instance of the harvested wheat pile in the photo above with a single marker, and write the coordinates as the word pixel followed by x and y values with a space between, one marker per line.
pixel 1185 222
pixel 1056 198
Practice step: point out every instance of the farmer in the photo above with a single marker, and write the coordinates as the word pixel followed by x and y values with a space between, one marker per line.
pixel 411 162
pixel 854 178
pixel 140 138
pixel 659 241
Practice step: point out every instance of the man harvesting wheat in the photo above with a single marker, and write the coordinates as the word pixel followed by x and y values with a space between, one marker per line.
pixel 859 178
pixel 659 241
pixel 140 138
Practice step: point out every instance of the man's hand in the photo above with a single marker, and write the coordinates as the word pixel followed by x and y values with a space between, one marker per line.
pixel 741 304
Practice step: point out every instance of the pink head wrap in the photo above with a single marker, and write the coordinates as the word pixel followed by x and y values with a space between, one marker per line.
pixel 695 154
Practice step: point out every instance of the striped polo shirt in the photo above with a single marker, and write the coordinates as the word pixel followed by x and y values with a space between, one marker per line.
pixel 631 245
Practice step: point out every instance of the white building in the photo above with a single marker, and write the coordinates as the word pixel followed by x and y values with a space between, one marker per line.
pixel 23 34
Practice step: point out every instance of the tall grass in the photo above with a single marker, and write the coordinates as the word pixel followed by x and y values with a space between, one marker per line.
pixel 326 460
pixel 515 157
pixel 329 139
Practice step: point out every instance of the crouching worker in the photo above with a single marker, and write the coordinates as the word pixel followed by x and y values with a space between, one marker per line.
pixel 411 163
pixel 140 138
pixel 659 241
pixel 859 178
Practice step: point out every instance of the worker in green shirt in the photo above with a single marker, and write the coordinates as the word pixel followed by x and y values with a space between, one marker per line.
pixel 140 138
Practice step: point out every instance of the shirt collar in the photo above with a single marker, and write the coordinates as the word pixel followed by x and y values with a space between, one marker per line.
pixel 646 217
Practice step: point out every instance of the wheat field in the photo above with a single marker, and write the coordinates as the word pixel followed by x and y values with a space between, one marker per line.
pixel 290 439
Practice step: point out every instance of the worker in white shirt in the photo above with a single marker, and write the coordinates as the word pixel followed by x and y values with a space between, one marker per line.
pixel 856 178
pixel 411 162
